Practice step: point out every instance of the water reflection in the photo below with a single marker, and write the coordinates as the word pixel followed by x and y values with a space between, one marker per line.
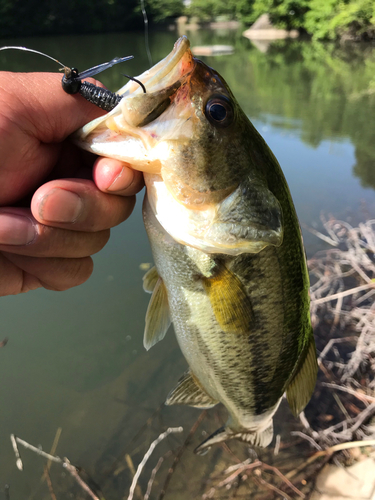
pixel 75 359
pixel 324 91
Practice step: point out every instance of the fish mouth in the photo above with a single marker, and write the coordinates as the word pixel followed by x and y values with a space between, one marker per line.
pixel 165 72
pixel 134 131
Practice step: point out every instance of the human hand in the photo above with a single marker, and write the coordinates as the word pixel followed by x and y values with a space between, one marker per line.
pixel 47 242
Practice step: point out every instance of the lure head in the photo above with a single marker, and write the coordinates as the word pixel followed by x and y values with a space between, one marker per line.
pixel 69 82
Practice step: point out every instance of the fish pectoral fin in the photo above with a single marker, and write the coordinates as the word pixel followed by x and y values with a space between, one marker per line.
pixel 150 279
pixel 302 385
pixel 188 392
pixel 157 316
pixel 261 438
pixel 229 301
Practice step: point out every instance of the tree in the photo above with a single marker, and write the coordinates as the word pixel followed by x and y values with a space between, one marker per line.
pixel 337 18
pixel 288 14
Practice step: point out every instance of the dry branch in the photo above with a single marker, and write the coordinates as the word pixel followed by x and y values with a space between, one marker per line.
pixel 147 456
pixel 64 462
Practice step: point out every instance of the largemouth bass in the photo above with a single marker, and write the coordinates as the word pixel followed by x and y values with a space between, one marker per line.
pixel 230 270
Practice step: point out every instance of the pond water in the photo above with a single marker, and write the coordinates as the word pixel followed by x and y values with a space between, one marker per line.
pixel 75 359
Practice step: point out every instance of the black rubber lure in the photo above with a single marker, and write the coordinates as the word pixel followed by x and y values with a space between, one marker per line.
pixel 103 98
pixel 72 81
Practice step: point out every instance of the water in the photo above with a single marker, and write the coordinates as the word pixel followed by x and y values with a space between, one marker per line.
pixel 75 359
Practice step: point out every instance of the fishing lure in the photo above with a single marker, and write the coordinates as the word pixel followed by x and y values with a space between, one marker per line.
pixel 72 80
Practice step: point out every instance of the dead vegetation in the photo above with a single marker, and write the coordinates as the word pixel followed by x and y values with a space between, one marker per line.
pixel 337 421
pixel 343 314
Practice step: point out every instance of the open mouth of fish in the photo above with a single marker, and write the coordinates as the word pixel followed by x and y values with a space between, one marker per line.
pixel 133 131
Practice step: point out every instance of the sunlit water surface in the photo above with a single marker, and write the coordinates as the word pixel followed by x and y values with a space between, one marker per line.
pixel 75 359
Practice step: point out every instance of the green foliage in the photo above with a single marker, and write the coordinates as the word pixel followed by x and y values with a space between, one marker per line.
pixel 324 19
pixel 210 9
pixel 330 19
pixel 40 17
pixel 287 14
pixel 159 10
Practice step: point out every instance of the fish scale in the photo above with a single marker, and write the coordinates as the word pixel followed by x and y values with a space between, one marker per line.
pixel 230 272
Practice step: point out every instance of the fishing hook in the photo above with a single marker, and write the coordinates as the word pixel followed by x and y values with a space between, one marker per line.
pixel 136 81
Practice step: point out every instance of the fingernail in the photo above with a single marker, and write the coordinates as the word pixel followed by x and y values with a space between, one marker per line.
pixel 60 205
pixel 16 230
pixel 122 181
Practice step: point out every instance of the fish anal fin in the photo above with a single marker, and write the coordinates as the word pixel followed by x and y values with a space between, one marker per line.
pixel 150 279
pixel 261 438
pixel 188 392
pixel 301 387
pixel 229 301
pixel 157 316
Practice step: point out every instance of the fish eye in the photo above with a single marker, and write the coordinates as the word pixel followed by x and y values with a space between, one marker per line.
pixel 219 111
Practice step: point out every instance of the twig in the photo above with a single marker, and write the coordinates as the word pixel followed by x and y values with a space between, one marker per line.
pixel 49 483
pixel 52 452
pixel 284 478
pixel 130 464
pixel 273 488
pixel 179 454
pixel 341 406
pixel 73 471
pixel 330 451
pixel 308 438
pixel 147 456
pixel 152 478
pixel 19 463
pixel 64 462
pixel 237 472
pixel 329 345
pixel 277 445
pixel 242 465
pixel 321 235
pixel 343 294
pixel 360 396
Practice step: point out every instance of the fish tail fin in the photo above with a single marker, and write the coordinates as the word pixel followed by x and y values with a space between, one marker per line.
pixel 261 438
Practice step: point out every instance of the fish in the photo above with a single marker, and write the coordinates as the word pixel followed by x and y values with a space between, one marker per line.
pixel 230 268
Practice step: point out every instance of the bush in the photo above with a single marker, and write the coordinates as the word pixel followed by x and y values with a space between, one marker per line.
pixel 331 19
pixel 207 10
pixel 287 14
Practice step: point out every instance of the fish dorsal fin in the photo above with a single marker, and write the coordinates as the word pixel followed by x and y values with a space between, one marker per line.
pixel 157 316
pixel 302 385
pixel 150 279
pixel 188 392
pixel 229 301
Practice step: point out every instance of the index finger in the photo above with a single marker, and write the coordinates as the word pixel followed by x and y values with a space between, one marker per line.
pixel 49 114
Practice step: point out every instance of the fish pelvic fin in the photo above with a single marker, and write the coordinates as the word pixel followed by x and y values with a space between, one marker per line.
pixel 261 438
pixel 157 316
pixel 188 392
pixel 150 279
pixel 229 301
pixel 301 386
